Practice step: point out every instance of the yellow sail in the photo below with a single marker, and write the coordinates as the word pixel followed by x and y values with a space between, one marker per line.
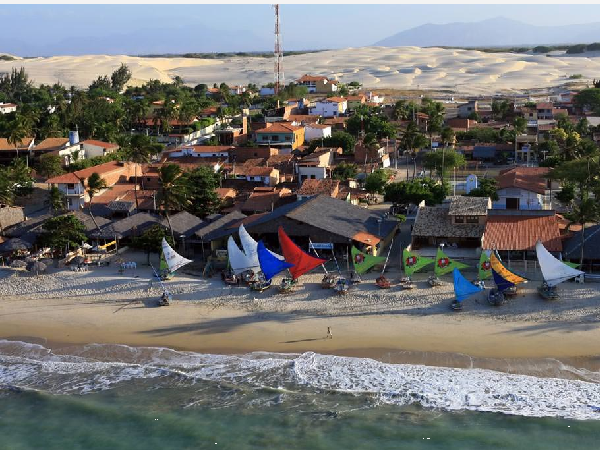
pixel 499 268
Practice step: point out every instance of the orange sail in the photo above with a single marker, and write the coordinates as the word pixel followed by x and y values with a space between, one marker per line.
pixel 293 254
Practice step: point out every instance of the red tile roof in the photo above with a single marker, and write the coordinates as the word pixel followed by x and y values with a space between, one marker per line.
pixel 258 171
pixel 335 99
pixel 544 105
pixel 307 77
pixel 66 178
pixel 528 178
pixel 100 143
pixel 327 186
pixel 4 145
pixel 278 127
pixel 521 232
pixel 51 144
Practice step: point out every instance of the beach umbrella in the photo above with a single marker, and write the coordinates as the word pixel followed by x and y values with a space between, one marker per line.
pixel 36 267
pixel 14 244
pixel 17 264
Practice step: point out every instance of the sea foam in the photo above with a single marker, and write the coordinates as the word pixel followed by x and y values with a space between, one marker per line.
pixel 92 368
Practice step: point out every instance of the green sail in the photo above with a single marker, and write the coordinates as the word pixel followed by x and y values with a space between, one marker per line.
pixel 444 265
pixel 485 267
pixel 164 268
pixel 413 262
pixel 363 262
pixel 571 264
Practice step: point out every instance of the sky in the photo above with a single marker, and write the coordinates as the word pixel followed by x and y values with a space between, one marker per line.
pixel 73 29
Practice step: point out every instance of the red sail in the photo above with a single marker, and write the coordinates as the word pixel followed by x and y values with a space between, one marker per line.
pixel 293 254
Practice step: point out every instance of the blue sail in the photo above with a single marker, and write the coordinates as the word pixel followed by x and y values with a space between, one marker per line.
pixel 270 264
pixel 502 283
pixel 463 288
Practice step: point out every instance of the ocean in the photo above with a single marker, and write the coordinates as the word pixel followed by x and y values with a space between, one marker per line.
pixel 121 397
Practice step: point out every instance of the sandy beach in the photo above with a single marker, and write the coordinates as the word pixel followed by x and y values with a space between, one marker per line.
pixel 102 306
pixel 468 72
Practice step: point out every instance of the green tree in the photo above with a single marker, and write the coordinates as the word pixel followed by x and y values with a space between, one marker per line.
pixel 345 171
pixel 49 165
pixel 62 233
pixel 447 135
pixel 120 77
pixel 202 184
pixel 588 98
pixel 173 192
pixel 140 149
pixel 337 139
pixel 415 191
pixel 487 187
pixel 19 175
pixel 56 200
pixel 151 240
pixel 95 183
pixel 584 212
pixel 19 130
pixel 413 140
pixel 376 181
pixel 441 161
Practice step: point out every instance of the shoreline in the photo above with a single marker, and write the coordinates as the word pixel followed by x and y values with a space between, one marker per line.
pixel 416 327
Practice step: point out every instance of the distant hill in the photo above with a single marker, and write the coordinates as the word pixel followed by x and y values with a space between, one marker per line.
pixel 499 31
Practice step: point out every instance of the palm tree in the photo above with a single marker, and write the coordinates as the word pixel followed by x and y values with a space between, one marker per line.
pixel 95 183
pixel 586 211
pixel 140 150
pixel 412 140
pixel 173 190
pixel 19 131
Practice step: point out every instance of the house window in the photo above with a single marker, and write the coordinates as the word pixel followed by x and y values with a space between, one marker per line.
pixel 472 219
pixel 303 177
pixel 288 138
pixel 70 186
pixel 459 219
pixel 275 137
pixel 312 177
pixel 512 203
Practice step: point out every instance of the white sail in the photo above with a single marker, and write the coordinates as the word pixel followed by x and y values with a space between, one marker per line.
pixel 250 246
pixel 174 260
pixel 238 260
pixel 553 270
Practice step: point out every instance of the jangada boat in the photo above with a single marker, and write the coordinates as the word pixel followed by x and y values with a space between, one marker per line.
pixel 463 289
pixel 261 285
pixel 287 285
pixel 383 283
pixel 328 281
pixel 341 286
pixel 300 262
pixel 506 281
pixel 165 299
pixel 434 281
pixel 554 272
pixel 496 297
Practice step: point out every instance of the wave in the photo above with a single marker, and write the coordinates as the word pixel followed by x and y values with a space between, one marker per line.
pixel 97 367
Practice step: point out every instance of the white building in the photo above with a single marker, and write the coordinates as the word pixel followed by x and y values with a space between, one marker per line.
pixel 316 131
pixel 92 148
pixel 6 108
pixel 329 107
pixel 202 151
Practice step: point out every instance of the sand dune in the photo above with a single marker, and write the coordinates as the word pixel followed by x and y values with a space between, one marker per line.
pixel 466 71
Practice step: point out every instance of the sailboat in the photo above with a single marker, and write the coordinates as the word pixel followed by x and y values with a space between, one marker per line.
pixel 554 272
pixel 270 264
pixel 443 265
pixel 238 260
pixel 463 289
pixel 381 281
pixel 170 261
pixel 301 261
pixel 412 263
pixel 506 281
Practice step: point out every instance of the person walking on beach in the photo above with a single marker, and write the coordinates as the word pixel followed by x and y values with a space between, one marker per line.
pixel 329 334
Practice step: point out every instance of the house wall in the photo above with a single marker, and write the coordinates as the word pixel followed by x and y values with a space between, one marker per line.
pixel 318 173
pixel 325 87
pixel 316 133
pixel 91 151
pixel 242 154
pixel 328 109
pixel 528 200
pixel 10 215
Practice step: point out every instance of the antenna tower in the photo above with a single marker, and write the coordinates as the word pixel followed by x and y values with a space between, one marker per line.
pixel 278 53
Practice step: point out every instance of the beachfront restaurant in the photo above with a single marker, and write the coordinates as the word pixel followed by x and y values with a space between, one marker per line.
pixel 327 223
pixel 514 235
